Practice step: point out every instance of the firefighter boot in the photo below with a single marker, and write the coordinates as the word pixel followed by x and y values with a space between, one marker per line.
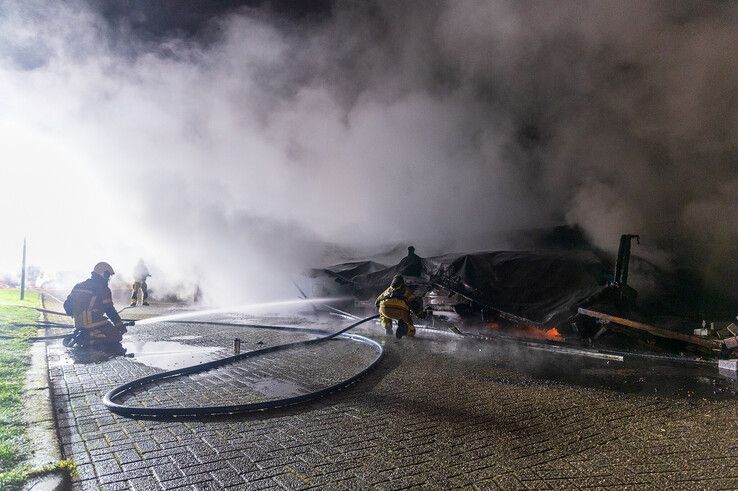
pixel 386 322
pixel 401 329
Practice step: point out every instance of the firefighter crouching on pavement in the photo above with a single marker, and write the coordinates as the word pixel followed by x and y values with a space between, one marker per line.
pixel 396 303
pixel 96 321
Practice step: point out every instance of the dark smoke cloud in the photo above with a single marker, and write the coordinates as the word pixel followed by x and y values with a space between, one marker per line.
pixel 250 140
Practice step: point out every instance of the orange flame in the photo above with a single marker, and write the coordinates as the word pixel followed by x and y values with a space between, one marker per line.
pixel 530 332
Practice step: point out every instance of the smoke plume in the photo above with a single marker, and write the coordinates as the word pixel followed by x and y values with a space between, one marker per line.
pixel 238 151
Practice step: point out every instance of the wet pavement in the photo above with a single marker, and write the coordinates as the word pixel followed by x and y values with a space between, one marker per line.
pixel 439 412
pixel 169 355
pixel 661 376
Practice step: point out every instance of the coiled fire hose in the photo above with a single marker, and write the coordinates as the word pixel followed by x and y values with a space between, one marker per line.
pixel 112 399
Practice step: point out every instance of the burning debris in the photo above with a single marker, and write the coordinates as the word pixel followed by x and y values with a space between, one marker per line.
pixel 569 296
pixel 529 332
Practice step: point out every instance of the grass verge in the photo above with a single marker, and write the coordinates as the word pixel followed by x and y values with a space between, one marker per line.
pixel 14 363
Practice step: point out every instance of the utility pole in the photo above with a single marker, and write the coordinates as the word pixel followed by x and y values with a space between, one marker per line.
pixel 23 271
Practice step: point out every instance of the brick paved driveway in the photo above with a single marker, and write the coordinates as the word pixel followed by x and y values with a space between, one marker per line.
pixel 440 412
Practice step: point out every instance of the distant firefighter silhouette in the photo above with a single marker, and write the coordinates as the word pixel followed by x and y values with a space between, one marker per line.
pixel 140 273
pixel 412 264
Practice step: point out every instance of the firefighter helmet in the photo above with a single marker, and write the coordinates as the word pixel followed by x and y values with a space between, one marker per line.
pixel 103 269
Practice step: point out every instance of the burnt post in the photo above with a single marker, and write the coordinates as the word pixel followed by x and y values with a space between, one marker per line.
pixel 626 294
pixel 621 267
pixel 23 272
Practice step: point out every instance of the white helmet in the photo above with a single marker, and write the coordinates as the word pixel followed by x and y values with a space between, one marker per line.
pixel 103 269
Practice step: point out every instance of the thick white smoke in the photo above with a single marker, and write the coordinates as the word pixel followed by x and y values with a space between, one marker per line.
pixel 239 161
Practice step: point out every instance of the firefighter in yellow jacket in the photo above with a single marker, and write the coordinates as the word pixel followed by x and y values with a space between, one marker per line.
pixel 397 303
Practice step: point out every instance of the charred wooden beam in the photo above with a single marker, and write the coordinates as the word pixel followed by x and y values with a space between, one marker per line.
pixel 656 331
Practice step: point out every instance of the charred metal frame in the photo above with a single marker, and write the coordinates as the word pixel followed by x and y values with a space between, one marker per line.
pixel 621 266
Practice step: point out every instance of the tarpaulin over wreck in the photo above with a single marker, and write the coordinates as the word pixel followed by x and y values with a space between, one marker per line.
pixel 346 272
pixel 543 287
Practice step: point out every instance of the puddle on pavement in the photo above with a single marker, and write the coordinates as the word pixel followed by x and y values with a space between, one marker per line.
pixel 85 356
pixel 276 388
pixel 656 377
pixel 643 377
pixel 169 355
pixel 665 380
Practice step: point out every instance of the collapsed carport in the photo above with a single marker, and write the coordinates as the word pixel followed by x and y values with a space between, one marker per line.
pixel 542 288
pixel 574 292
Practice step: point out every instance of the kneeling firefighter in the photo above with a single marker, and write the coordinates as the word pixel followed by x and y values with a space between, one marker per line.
pixel 96 322
pixel 396 303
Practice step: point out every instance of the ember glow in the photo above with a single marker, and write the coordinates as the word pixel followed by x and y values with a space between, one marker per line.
pixel 528 332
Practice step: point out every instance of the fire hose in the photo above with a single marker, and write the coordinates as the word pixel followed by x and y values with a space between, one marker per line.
pixel 112 399
pixel 621 354
pixel 68 339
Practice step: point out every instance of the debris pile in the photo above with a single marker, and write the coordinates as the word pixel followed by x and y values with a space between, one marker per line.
pixel 552 296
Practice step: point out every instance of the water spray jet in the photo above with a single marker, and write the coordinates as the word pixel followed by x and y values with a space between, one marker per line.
pixel 239 308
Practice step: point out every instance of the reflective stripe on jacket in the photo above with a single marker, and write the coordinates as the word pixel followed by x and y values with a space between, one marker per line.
pixel 90 302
